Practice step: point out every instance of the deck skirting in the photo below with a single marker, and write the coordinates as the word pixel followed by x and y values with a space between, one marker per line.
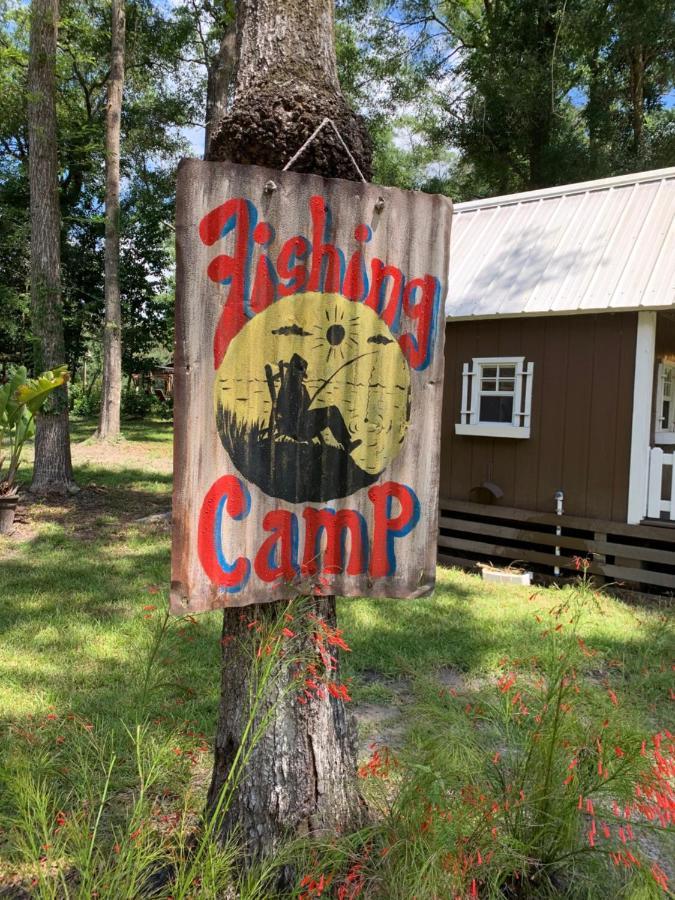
pixel 637 558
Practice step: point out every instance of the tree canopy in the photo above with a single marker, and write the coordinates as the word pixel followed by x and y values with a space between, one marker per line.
pixel 467 97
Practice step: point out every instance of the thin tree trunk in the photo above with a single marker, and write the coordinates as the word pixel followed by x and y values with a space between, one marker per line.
pixel 301 778
pixel 52 470
pixel 637 98
pixel 111 397
pixel 219 79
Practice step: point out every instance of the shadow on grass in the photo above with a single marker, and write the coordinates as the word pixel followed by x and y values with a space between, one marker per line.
pixel 108 497
pixel 468 627
pixel 158 431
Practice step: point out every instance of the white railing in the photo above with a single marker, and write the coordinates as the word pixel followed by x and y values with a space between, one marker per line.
pixel 659 486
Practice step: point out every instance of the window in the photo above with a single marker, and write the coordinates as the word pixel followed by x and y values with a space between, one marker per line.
pixel 664 426
pixel 496 397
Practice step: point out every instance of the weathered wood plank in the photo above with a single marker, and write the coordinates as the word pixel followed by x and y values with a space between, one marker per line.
pixel 490 552
pixel 549 539
pixel 650 531
pixel 309 370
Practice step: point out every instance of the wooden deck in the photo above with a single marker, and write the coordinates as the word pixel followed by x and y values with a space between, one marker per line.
pixel 637 558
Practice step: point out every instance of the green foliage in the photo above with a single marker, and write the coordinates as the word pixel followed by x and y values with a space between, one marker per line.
pixel 21 398
pixel 140 405
pixel 160 98
pixel 84 402
pixel 529 94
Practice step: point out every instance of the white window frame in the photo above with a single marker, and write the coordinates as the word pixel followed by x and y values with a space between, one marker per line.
pixel 664 432
pixel 470 423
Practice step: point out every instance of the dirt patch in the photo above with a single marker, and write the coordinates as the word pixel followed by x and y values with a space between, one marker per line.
pixel 379 724
pixel 120 482
pixel 383 723
pixel 452 679
pixel 123 454
pixel 84 514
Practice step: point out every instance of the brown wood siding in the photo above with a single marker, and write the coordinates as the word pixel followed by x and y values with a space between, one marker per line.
pixel 665 334
pixel 581 414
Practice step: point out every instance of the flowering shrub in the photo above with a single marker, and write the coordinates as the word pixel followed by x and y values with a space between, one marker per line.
pixel 533 786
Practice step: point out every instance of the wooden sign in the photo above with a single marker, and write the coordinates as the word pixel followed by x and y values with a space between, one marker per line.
pixel 308 381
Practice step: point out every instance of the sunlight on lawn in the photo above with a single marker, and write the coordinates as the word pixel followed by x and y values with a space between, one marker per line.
pixel 85 586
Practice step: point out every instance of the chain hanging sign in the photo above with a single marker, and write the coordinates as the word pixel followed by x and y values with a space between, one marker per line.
pixel 308 381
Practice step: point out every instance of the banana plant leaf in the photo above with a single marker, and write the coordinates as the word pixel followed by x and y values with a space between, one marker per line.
pixel 10 407
pixel 34 391
pixel 20 400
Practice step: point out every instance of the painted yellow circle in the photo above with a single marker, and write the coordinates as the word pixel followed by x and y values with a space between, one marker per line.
pixel 354 369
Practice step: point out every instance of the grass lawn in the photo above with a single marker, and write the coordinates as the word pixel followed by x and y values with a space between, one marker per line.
pixel 83 585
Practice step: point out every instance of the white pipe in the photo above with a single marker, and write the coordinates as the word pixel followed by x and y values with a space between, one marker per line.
pixel 559 497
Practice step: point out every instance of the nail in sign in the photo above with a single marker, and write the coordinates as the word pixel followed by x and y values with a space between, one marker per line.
pixel 308 378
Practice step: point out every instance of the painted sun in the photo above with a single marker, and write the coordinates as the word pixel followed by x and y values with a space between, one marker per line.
pixel 350 370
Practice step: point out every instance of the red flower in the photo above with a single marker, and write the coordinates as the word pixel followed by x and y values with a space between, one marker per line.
pixel 659 876
pixel 339 691
pixel 506 682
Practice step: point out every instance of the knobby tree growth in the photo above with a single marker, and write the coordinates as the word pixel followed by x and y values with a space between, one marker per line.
pixel 285 83
pixel 52 470
pixel 111 397
pixel 301 777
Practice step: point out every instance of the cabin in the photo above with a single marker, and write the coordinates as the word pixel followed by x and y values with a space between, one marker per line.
pixel 558 432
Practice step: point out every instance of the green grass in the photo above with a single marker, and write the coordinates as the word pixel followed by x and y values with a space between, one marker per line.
pixel 76 636
pixel 470 626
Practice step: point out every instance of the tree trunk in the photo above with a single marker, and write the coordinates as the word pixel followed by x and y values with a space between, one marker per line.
pixel 285 84
pixel 111 396
pixel 219 79
pixel 541 116
pixel 52 470
pixel 636 58
pixel 301 778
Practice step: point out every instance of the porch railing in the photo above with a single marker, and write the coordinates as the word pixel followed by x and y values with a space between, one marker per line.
pixel 661 490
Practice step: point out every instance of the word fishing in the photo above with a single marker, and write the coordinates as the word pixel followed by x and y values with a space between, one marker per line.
pixel 409 306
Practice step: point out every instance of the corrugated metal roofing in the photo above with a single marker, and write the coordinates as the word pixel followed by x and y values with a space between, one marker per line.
pixel 598 246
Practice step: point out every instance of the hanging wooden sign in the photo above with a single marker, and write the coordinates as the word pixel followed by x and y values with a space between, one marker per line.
pixel 308 380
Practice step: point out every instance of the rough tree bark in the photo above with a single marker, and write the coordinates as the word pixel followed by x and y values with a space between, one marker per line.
pixel 52 470
pixel 111 396
pixel 285 83
pixel 301 777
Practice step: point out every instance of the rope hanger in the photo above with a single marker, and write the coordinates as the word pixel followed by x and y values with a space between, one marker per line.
pixel 312 137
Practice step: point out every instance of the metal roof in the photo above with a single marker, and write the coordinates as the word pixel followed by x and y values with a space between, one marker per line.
pixel 598 246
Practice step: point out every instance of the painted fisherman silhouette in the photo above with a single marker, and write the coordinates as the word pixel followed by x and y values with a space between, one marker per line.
pixel 293 417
